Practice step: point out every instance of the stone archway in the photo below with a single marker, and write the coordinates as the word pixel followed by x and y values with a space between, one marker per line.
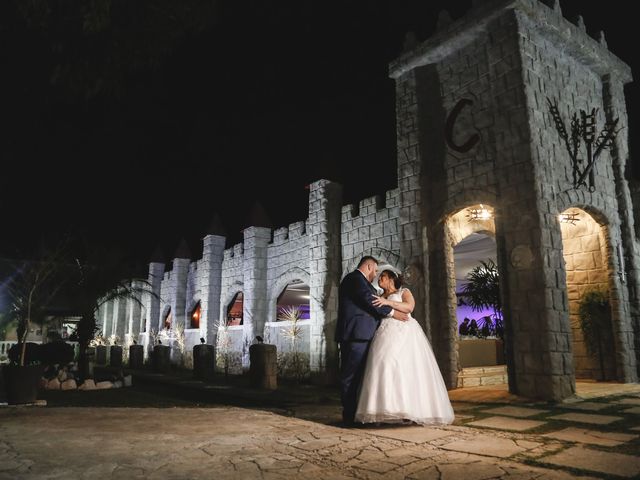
pixel 585 253
pixel 477 355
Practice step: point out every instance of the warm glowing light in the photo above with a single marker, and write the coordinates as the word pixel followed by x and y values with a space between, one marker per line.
pixel 479 214
pixel 195 316
pixel 571 218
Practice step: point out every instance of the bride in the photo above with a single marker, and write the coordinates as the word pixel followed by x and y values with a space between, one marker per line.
pixel 402 382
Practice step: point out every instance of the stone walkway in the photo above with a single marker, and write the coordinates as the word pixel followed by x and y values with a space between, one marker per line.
pixel 591 437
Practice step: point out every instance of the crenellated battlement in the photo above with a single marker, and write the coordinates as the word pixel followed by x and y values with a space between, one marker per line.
pixel 236 251
pixel 454 35
pixel 280 235
pixel 370 205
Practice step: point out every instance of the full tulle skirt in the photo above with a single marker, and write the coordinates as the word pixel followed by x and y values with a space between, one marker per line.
pixel 402 381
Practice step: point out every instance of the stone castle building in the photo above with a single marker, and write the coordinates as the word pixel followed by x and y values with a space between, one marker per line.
pixel 475 133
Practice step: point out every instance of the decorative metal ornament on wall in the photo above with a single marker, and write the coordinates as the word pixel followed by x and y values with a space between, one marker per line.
pixel 521 257
pixel 583 133
pixel 411 274
pixel 466 127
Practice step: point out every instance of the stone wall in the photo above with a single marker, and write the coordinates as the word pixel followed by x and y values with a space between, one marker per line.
pixel 371 228
pixel 473 127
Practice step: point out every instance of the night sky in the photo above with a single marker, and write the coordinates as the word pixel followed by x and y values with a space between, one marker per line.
pixel 132 125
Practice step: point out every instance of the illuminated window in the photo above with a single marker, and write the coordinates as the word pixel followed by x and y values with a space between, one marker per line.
pixel 195 316
pixel 294 300
pixel 167 320
pixel 234 310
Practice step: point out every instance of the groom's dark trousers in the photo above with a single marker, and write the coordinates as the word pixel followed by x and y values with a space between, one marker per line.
pixel 357 322
pixel 353 359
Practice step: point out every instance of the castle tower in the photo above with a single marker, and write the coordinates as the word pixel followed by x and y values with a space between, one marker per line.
pixel 475 128
pixel 256 240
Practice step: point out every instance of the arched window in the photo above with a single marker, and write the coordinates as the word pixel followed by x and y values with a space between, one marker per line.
pixel 195 316
pixel 167 320
pixel 294 300
pixel 234 310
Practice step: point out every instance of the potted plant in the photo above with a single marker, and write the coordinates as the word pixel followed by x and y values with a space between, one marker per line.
pixel 594 312
pixel 31 288
pixel 21 381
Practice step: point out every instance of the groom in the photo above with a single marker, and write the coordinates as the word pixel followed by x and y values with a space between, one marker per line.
pixel 357 322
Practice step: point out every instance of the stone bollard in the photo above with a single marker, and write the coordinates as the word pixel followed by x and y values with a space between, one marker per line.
pixel 204 361
pixel 136 356
pixel 101 355
pixel 161 358
pixel 115 356
pixel 263 370
pixel 86 368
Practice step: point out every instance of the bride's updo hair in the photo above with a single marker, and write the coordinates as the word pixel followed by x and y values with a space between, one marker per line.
pixel 397 279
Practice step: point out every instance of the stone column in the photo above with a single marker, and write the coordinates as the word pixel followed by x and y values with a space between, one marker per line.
pixel 101 320
pixel 152 302
pixel 107 318
pixel 179 275
pixel 419 114
pixel 256 240
pixel 325 204
pixel 212 256
pixel 120 318
pixel 135 310
pixel 626 254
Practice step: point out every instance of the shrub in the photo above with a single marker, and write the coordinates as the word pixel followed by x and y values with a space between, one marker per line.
pixel 32 353
pixel 56 353
pixel 595 321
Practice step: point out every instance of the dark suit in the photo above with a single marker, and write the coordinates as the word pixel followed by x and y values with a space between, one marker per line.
pixel 357 322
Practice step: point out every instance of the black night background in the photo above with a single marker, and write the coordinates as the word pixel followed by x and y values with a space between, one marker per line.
pixel 130 124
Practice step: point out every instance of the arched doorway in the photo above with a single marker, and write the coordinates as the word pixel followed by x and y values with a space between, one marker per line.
pixel 474 293
pixel 584 248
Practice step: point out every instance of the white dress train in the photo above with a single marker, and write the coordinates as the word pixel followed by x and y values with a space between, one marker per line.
pixel 402 380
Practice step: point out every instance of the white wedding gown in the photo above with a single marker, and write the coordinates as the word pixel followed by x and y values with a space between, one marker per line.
pixel 402 380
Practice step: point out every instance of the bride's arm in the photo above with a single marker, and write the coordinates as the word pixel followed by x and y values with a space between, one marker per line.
pixel 406 305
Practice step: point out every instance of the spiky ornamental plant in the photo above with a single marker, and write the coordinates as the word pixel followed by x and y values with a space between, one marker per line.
pixel 483 291
pixel 223 350
pixel 293 332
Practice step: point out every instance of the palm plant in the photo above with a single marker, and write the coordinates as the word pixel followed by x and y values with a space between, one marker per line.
pixel 483 291
pixel 30 290
pixel 101 279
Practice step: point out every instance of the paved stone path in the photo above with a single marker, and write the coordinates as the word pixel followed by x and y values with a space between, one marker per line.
pixel 487 441
pixel 226 443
